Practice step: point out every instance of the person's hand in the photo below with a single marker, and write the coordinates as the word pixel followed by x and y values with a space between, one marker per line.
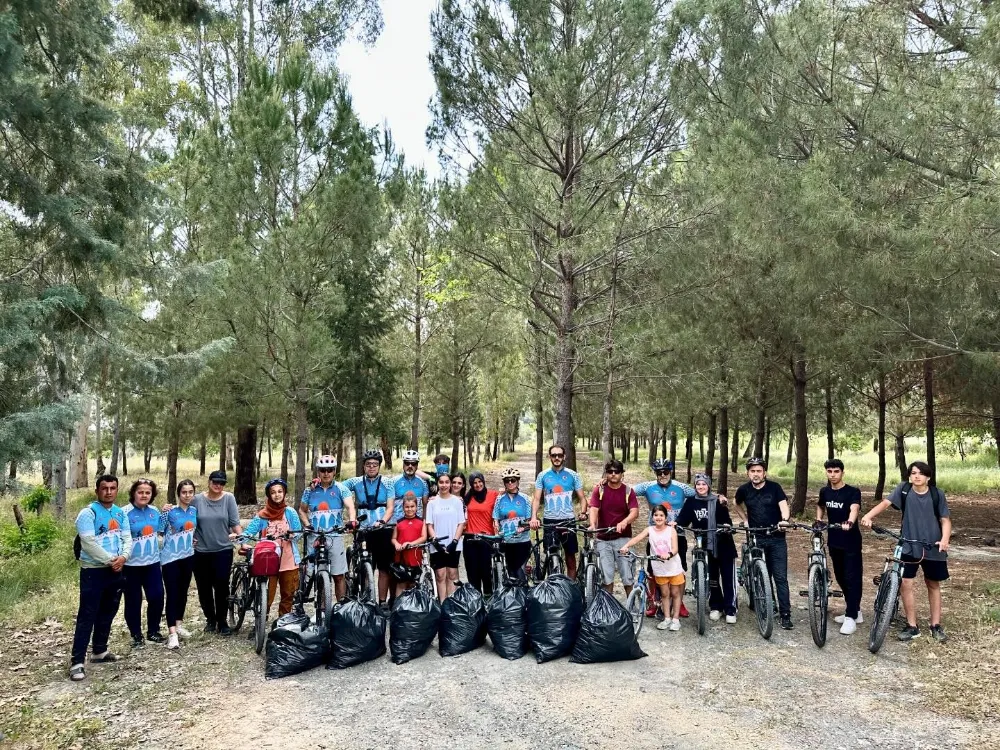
pixel 846 526
pixel 398 546
pixel 943 545
pixel 379 524
pixel 866 522
pixel 233 536
pixel 784 524
pixel 194 542
pixel 723 500
pixel 583 516
pixel 672 523
pixel 534 524
pixel 620 527
pixel 452 547
pixel 167 507
pixel 314 482
pixel 117 564
pixel 352 525
pixel 624 552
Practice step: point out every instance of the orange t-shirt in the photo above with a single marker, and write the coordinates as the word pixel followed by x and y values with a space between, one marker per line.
pixel 409 530
pixel 479 516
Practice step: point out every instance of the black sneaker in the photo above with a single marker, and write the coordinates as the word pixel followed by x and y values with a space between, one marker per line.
pixel 938 634
pixel 786 622
pixel 909 633
pixel 156 638
pixel 211 627
pixel 225 630
pixel 137 641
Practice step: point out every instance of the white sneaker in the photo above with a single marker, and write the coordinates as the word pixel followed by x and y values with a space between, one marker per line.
pixel 730 619
pixel 840 618
pixel 848 627
pixel 183 632
pixel 715 615
pixel 663 625
pixel 173 642
pixel 675 625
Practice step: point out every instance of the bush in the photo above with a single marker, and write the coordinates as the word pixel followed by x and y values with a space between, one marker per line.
pixel 35 500
pixel 37 536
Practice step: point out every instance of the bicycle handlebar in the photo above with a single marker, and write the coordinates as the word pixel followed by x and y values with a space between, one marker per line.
pixel 605 530
pixel 640 556
pixel 882 531
pixel 724 529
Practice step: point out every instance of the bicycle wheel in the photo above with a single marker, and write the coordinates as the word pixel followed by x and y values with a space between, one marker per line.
pixel 365 585
pixel 260 617
pixel 700 575
pixel 636 606
pixel 885 607
pixel 428 582
pixel 238 594
pixel 817 604
pixel 762 598
pixel 537 572
pixel 499 574
pixel 324 599
pixel 553 565
pixel 589 584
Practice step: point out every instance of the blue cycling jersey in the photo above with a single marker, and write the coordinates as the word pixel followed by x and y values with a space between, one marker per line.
pixel 558 488
pixel 145 525
pixel 671 495
pixel 403 484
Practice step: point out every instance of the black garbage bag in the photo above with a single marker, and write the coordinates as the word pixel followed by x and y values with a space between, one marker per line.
pixel 553 614
pixel 463 621
pixel 506 623
pixel 357 634
pixel 292 621
pixel 413 624
pixel 606 633
pixel 293 650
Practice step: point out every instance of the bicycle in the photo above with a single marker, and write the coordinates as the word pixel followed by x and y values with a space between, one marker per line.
pixel 321 577
pixel 887 598
pixel 498 561
pixel 700 584
pixel 587 570
pixel 752 575
pixel 248 592
pixel 552 562
pixel 360 576
pixel 636 602
pixel 819 591
pixel 425 579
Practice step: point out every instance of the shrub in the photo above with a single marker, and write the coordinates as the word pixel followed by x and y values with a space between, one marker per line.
pixel 35 500
pixel 37 536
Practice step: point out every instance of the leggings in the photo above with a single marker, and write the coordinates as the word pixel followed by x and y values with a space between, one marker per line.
pixel 478 558
pixel 141 579
pixel 517 554
pixel 177 581
pixel 211 572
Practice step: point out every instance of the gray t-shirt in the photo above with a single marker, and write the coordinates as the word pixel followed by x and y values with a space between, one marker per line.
pixel 919 521
pixel 215 519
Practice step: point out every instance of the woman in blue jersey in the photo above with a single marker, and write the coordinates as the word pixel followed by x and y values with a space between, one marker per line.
pixel 142 569
pixel 177 559
pixel 511 516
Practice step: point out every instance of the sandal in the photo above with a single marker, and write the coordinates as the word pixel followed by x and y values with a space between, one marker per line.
pixel 76 672
pixel 106 658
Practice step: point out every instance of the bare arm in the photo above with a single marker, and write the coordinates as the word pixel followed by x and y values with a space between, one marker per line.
pixel 536 499
pixel 866 519
pixel 785 512
pixel 945 534
pixel 636 539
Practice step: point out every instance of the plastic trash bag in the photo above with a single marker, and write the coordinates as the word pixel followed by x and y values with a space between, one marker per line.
pixel 554 609
pixel 413 624
pixel 293 650
pixel 606 633
pixel 292 621
pixel 357 634
pixel 506 623
pixel 463 622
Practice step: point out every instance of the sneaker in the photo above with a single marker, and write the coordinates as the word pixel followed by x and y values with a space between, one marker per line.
pixel 225 630
pixel 211 627
pixel 156 638
pixel 786 622
pixel 105 658
pixel 715 615
pixel 840 618
pixel 651 610
pixel 848 627
pixel 173 641
pixel 684 611
pixel 137 641
pixel 675 625
pixel 938 634
pixel 730 619
pixel 908 633
pixel 183 632
pixel 665 625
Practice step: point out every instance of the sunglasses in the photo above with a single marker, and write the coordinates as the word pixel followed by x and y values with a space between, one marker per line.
pixel 662 473
pixel 508 480
pixel 616 472
pixel 326 471
pixel 409 463
pixel 557 455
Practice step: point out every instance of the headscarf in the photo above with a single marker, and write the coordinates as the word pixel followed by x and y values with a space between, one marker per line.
pixel 470 493
pixel 713 502
pixel 272 511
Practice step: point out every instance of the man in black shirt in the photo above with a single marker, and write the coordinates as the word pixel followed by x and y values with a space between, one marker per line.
pixel 842 503
pixel 767 505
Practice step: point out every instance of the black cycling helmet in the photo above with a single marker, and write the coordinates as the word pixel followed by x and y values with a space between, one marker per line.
pixel 372 453
pixel 662 464
pixel 755 461
pixel 273 482
pixel 403 573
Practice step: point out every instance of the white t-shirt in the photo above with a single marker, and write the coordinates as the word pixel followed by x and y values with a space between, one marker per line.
pixel 445 514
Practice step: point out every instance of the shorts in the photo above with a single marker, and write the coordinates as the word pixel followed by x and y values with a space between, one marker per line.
pixel 567 540
pixel 338 555
pixel 934 570
pixel 608 559
pixel 445 559
pixel 381 549
pixel 677 580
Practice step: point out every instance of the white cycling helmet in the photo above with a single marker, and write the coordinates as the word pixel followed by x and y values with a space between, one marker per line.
pixel 411 456
pixel 326 462
pixel 510 473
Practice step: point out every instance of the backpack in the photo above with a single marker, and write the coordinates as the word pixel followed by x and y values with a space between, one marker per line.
pixel 77 544
pixel 266 558
pixel 937 496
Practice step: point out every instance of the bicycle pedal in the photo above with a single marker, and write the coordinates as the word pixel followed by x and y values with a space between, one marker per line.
pixel 803 593
pixel 837 594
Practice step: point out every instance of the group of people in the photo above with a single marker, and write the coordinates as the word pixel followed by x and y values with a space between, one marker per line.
pixel 144 552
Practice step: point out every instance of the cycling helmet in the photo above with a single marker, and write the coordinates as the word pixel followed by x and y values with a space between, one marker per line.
pixel 403 573
pixel 662 464
pixel 411 456
pixel 510 473
pixel 372 453
pixel 272 483
pixel 755 462
pixel 326 462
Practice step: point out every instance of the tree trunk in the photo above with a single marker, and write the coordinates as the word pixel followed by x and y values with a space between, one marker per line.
pixel 230 457
pixel 58 480
pixel 760 427
pixel 456 435
pixel 383 443
pixel 800 381
pixel 539 405
pixel 270 456
pixel 654 439
pixel 607 449
pixel 996 429
pixel 565 363
pixel 723 482
pixel 301 445
pixel 635 448
pixel 99 448
pixel 791 442
pixel 47 474
pixel 78 451
pixel 882 406
pixel 418 365
pixel 173 444
pixel 124 455
pixel 223 450
pixel 734 451
pixel 359 444
pixel 260 449
pixel 701 447
pixel 830 444
pixel 116 438
pixel 710 458
pixel 202 454
pixel 245 488
pixel 767 442
pixel 688 447
pixel 340 457
pixel 286 447
pixel 929 411
pixel 901 457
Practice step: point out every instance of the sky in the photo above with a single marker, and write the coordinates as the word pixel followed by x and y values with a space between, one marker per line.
pixel 391 82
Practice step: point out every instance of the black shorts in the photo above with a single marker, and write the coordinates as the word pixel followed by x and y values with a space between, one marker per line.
pixel 381 549
pixel 567 538
pixel 445 559
pixel 934 570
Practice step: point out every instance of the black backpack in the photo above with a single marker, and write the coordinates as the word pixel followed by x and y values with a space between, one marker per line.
pixel 77 545
pixel 936 495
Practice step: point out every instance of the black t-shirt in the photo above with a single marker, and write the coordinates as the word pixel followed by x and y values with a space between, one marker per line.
pixel 838 510
pixel 762 504
pixel 695 515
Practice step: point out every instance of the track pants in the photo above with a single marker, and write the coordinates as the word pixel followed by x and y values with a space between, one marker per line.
pixel 139 580
pixel 849 571
pixel 722 584
pixel 100 597
pixel 211 572
pixel 478 558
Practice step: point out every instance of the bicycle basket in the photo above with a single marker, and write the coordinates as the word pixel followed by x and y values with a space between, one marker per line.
pixel 266 560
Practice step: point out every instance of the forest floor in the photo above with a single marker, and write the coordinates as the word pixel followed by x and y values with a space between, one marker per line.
pixel 729 686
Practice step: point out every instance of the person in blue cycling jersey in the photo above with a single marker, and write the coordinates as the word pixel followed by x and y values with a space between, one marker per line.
pixel 559 487
pixel 374 496
pixel 410 481
pixel 327 505
pixel 670 494
pixel 511 514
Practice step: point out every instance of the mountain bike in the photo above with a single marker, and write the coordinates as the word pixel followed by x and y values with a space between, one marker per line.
pixel 753 577
pixel 426 580
pixel 548 558
pixel 248 592
pixel 887 598
pixel 317 587
pixel 700 585
pixel 498 561
pixel 636 602
pixel 819 591
pixel 360 577
pixel 588 571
